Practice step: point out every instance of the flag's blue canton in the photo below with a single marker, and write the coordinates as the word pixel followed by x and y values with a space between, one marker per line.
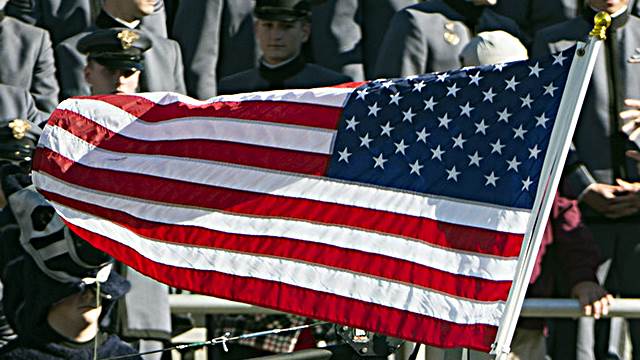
pixel 478 134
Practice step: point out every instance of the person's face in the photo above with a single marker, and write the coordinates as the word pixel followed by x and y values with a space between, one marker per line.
pixel 280 40
pixel 80 308
pixel 104 80
pixel 610 6
pixel 137 8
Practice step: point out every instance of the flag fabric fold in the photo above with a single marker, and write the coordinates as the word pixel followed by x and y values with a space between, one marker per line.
pixel 398 206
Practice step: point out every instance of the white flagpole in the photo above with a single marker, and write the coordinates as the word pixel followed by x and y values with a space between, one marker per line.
pixel 566 120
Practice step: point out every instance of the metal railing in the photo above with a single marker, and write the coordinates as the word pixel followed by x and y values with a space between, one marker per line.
pixel 548 308
pixel 200 305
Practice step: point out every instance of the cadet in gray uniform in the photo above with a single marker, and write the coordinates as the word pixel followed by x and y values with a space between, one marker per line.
pixel 163 63
pixel 16 103
pixel 346 34
pixel 281 28
pixel 216 38
pixel 429 36
pixel 63 19
pixel 27 60
pixel 610 211
pixel 115 63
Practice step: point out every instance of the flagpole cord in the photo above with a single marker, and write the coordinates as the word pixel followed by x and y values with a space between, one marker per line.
pixel 224 339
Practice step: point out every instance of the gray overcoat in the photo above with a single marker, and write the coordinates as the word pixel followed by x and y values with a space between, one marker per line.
pixel 16 103
pixel 28 62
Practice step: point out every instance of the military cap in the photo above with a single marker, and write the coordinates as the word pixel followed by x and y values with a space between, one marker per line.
pixel 492 47
pixel 18 139
pixel 282 10
pixel 116 48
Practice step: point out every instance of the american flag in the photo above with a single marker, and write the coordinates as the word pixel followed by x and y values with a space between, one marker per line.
pixel 397 206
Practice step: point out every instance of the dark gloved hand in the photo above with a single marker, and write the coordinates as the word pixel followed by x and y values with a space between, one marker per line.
pixel 12 179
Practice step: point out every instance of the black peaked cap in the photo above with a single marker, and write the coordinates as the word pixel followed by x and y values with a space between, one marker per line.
pixel 116 48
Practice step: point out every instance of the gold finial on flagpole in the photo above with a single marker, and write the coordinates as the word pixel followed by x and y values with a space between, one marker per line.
pixel 602 21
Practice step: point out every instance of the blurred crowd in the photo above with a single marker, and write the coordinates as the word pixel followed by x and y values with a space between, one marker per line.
pixel 55 49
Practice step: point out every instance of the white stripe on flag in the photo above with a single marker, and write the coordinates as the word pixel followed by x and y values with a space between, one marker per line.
pixel 451 261
pixel 289 185
pixel 356 286
pixel 328 96
pixel 291 137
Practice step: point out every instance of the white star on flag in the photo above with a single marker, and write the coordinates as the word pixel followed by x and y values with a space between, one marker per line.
pixel 444 121
pixel 504 115
pixel 526 101
pixel 452 90
pixel 379 161
pixel 534 151
pixel 559 59
pixel 408 116
pixel 542 120
pixel 364 141
pixel 481 127
pixel 442 77
pixel 453 174
pixel 418 86
pixel 458 141
pixel 466 110
pixel 475 79
pixel 437 153
pixel 373 110
pixel 491 179
pixel 401 147
pixel 535 70
pixel 386 129
pixel 519 132
pixel 488 95
pixel 362 94
pixel 497 147
pixel 511 84
pixel 422 135
pixel 415 168
pixel 513 164
pixel 526 183
pixel 395 98
pixel 351 123
pixel 550 89
pixel 344 155
pixel 429 104
pixel 474 159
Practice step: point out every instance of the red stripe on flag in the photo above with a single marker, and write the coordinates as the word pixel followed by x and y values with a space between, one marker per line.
pixel 162 190
pixel 223 151
pixel 299 250
pixel 351 85
pixel 310 303
pixel 320 116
